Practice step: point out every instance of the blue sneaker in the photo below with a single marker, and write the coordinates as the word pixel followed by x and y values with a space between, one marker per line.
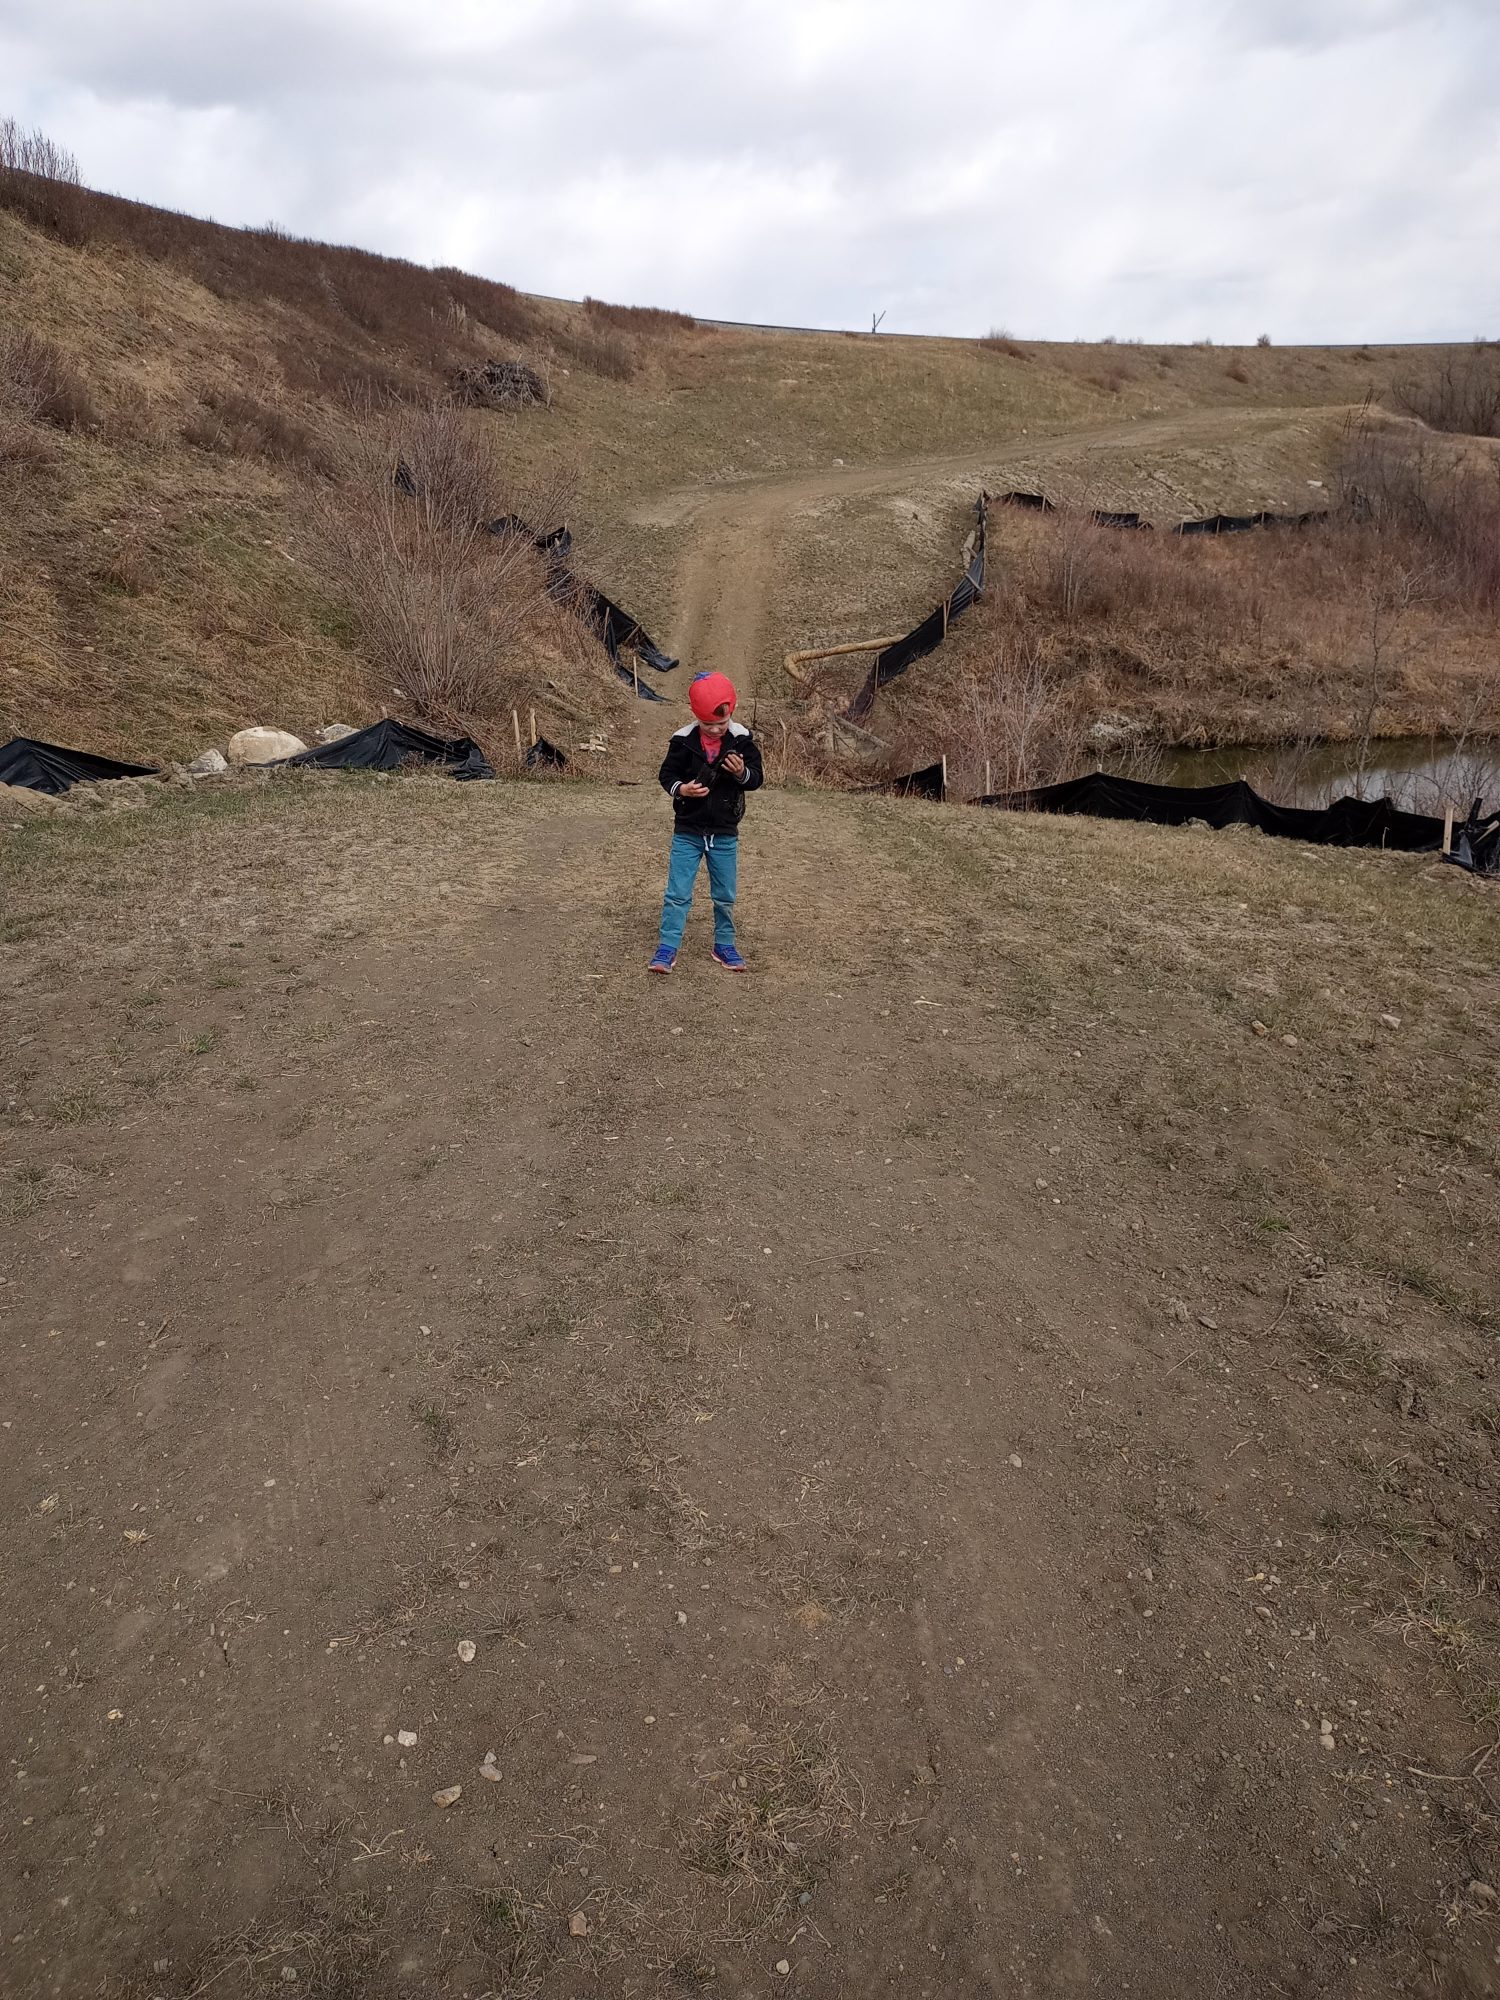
pixel 727 956
pixel 664 960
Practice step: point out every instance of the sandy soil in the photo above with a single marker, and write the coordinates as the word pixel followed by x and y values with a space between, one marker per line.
pixel 966 1468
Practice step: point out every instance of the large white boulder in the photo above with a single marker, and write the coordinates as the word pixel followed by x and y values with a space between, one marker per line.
pixel 263 746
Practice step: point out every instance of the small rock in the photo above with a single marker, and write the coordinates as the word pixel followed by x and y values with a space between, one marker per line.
pixel 1015 1459
pixel 1290 1041
pixel 1259 1028
pixel 407 1738
pixel 578 1924
pixel 466 1650
pixel 489 1770
pixel 1483 1893
pixel 289 1974
pixel 682 1618
pixel 448 1796
pixel 1208 1320
pixel 333 732
pixel 784 1965
pixel 1262 1610
pixel 1390 1020
pixel 210 764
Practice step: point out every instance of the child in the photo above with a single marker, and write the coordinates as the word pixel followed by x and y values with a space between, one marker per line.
pixel 708 768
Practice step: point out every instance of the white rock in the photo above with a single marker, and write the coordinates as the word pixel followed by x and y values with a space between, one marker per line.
pixel 466 1650
pixel 210 764
pixel 263 746
pixel 334 732
pixel 1390 1020
pixel 1015 1459
pixel 407 1738
pixel 489 1769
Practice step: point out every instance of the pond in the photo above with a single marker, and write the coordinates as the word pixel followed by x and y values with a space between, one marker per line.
pixel 1418 773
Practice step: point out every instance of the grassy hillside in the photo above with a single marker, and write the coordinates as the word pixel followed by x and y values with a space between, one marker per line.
pixel 166 571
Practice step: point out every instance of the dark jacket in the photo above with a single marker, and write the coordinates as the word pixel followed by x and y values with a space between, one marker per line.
pixel 685 763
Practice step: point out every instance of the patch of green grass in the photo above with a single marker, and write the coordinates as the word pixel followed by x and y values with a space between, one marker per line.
pixel 200 1044
pixel 1273 1225
pixel 221 981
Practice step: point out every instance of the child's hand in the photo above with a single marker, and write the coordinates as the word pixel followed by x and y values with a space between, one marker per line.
pixel 734 764
pixel 692 790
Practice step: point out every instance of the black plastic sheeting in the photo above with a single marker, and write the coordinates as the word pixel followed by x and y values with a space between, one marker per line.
pixel 615 629
pixel 1348 822
pixel 1211 524
pixel 932 631
pixel 545 756
pixel 386 746
pixel 45 767
pixel 931 782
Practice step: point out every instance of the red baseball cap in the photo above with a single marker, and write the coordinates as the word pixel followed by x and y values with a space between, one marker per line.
pixel 706 692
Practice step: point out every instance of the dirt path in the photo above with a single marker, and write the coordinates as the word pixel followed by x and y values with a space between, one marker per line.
pixel 731 531
pixel 897 1491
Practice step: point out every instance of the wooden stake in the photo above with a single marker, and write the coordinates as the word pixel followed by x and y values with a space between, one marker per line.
pixel 988 787
pixel 1448 831
pixel 515 723
pixel 944 792
pixel 533 725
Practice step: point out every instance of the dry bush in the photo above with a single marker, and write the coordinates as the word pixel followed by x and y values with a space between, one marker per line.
pixel 1012 721
pixel 1444 510
pixel 602 353
pixel 432 318
pixel 1263 340
pixel 231 420
pixel 39 181
pixel 1457 391
pixel 1237 372
pixel 998 341
pixel 639 319
pixel 439 602
pixel 42 383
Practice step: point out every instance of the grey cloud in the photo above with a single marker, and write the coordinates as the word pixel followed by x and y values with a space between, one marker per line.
pixel 1322 168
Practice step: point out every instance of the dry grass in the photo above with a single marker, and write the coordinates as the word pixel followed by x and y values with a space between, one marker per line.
pixel 780 1797
pixel 440 603
pixel 39 381
pixel 1379 621
pixel 1456 390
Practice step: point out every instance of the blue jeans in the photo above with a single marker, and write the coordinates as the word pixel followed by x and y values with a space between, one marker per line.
pixel 689 851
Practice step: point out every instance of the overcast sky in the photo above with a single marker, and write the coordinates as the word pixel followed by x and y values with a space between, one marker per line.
pixel 1314 169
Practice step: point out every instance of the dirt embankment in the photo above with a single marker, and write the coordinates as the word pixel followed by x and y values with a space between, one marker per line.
pixel 966 1467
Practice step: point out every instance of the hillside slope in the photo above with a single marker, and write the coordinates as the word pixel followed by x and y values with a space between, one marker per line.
pixel 159 583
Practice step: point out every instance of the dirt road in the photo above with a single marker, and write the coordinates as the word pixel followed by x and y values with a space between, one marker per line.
pixel 946 1486
pixel 734 534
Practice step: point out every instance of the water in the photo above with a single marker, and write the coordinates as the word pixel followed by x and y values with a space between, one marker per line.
pixel 1420 773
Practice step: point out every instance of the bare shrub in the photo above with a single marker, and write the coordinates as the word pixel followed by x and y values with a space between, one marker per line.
pixel 39 180
pixel 639 319
pixel 1447 506
pixel 42 383
pixel 1237 372
pixel 234 421
pixel 440 602
pixel 1011 725
pixel 1263 340
pixel 602 353
pixel 1457 391
pixel 998 341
